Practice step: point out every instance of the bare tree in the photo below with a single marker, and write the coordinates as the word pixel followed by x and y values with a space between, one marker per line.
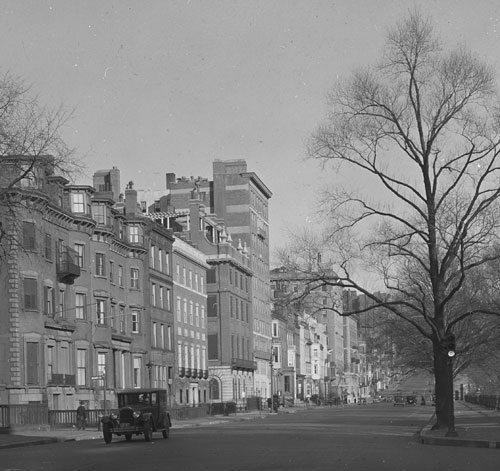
pixel 28 132
pixel 418 133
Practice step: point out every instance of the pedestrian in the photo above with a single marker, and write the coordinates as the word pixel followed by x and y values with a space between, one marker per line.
pixel 81 416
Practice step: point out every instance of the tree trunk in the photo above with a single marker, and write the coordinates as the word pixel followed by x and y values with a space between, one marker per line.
pixel 443 373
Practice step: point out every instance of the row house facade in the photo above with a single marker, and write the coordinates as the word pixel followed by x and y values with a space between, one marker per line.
pixel 190 271
pixel 89 288
pixel 308 338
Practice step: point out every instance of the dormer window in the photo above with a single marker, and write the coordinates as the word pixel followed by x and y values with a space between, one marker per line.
pixel 78 203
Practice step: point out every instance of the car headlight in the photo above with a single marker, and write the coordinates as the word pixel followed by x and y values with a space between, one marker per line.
pixel 114 415
pixel 136 414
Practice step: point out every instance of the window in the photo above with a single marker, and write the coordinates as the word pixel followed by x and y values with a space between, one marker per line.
pixel 162 335
pixel 169 337
pixel 112 317
pixel 134 278
pixel 100 213
pixel 81 367
pixel 178 309
pixel 80 306
pixel 191 313
pixel 29 236
pixel 48 300
pixel 120 275
pixel 213 347
pixel 78 202
pixel 185 311
pixel 80 255
pixel 160 259
pixel 152 256
pixel 161 301
pixel 135 322
pixel 62 303
pixel 154 334
pixel 48 247
pixel 202 317
pixel 184 276
pixel 137 362
pixel 167 263
pixel 202 287
pixel 32 363
pixel 197 315
pixel 212 305
pixel 123 324
pixel 100 311
pixel 30 293
pixel 168 304
pixel 102 361
pixel 50 362
pixel 133 234
pixel 111 271
pixel 153 294
pixel 99 264
pixel 275 329
pixel 190 278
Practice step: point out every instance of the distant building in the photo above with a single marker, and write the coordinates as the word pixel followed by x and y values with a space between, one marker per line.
pixel 310 362
pixel 238 200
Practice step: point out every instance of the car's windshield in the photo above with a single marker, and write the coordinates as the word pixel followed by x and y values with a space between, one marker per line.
pixel 129 399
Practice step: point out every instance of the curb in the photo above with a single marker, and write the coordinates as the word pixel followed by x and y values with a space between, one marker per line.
pixel 427 439
pixel 41 441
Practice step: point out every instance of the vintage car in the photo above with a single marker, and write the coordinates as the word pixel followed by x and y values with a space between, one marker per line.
pixel 411 400
pixel 141 411
pixel 399 400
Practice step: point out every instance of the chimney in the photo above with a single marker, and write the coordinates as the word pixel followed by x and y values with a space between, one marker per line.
pixel 130 199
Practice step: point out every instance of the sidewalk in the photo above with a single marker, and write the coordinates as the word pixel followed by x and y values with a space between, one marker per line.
pixel 22 438
pixel 476 427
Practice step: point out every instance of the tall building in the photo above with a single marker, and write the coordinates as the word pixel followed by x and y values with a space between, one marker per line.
pixel 239 199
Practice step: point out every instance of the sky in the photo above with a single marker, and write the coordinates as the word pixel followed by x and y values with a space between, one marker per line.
pixel 169 86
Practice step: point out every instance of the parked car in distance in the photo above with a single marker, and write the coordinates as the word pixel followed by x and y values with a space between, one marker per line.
pixel 399 401
pixel 411 400
pixel 141 412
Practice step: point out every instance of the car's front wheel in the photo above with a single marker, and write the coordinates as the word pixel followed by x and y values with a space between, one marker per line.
pixel 106 433
pixel 148 431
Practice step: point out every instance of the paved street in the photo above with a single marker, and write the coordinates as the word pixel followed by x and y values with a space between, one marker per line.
pixel 373 437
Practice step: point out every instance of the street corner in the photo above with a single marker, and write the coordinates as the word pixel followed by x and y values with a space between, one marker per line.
pixel 427 436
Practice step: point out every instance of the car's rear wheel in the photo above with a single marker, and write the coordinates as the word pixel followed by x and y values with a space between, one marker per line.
pixel 106 433
pixel 128 437
pixel 148 431
pixel 166 432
